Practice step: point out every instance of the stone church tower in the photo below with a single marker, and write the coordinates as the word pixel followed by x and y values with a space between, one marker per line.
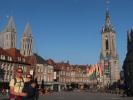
pixel 9 35
pixel 26 42
pixel 108 56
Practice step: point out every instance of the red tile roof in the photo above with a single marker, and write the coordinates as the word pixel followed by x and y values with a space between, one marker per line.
pixel 3 52
pixel 50 62
pixel 15 53
pixel 35 59
pixel 31 60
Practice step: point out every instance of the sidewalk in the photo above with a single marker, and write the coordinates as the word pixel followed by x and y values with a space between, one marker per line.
pixel 4 97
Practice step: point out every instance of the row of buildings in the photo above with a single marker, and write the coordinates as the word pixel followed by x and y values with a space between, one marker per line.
pixel 58 74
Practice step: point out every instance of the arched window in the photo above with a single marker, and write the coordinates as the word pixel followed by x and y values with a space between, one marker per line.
pixel 107 44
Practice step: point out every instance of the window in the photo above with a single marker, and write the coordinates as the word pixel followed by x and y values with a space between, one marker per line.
pixel 107 44
pixel 3 57
pixel 10 58
pixel 7 36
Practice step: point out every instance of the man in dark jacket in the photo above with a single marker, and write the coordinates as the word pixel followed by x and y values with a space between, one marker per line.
pixel 29 89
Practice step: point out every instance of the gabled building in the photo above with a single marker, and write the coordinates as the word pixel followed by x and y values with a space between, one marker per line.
pixel 10 61
pixel 42 70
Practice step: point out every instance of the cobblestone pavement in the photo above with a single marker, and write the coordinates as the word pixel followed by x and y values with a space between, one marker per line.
pixel 83 96
pixel 79 96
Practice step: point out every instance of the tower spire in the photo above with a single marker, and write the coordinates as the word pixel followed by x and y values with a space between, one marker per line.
pixel 107 10
pixel 9 34
pixel 107 4
pixel 27 30
pixel 107 27
pixel 26 48
pixel 10 25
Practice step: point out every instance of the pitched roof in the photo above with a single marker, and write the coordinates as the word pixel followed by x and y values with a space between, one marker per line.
pixel 15 53
pixel 3 52
pixel 50 62
pixel 35 59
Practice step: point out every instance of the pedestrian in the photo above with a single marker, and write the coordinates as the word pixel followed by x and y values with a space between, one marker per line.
pixel 29 89
pixel 27 85
pixel 16 86
pixel 27 80
pixel 37 90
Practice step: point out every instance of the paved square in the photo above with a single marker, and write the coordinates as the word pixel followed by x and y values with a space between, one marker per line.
pixel 79 96
pixel 82 96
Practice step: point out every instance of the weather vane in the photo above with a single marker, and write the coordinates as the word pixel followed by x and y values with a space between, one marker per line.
pixel 107 3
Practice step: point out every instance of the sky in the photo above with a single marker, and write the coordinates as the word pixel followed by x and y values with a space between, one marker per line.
pixel 69 30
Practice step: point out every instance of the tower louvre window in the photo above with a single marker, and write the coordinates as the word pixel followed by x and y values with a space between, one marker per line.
pixel 107 44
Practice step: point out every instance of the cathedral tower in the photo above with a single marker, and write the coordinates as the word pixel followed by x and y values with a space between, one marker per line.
pixel 9 35
pixel 26 42
pixel 108 57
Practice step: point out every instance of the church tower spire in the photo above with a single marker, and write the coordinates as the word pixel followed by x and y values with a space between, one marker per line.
pixel 9 34
pixel 27 41
pixel 108 26
pixel 108 38
pixel 108 56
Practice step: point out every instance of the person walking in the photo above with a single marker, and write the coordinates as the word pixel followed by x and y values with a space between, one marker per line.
pixel 16 85
pixel 29 88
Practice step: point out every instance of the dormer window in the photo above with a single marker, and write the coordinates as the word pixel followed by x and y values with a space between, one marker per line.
pixel 10 58
pixel 3 57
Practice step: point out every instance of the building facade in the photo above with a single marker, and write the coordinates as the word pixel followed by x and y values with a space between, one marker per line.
pixel 10 63
pixel 68 75
pixel 108 56
pixel 55 75
pixel 42 70
pixel 128 64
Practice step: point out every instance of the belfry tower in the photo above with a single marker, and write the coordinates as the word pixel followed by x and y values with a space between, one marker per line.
pixel 27 42
pixel 9 35
pixel 108 56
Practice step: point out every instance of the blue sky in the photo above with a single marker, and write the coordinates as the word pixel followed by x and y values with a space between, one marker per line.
pixel 69 29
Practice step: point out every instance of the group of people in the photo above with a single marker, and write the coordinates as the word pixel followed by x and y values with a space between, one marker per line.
pixel 23 88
